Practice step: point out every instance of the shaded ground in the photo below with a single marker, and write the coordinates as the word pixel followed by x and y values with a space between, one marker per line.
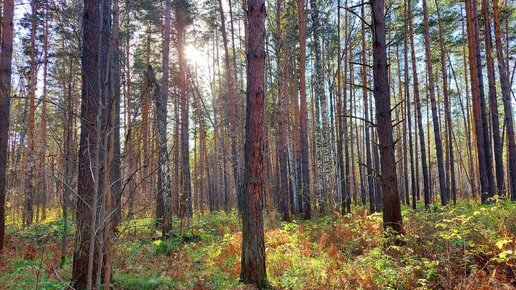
pixel 465 247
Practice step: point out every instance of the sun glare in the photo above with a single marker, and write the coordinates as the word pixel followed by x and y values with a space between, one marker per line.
pixel 195 56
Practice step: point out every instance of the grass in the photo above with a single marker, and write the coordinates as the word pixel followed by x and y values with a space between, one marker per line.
pixel 468 246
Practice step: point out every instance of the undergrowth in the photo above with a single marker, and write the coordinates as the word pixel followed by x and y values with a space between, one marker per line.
pixel 468 246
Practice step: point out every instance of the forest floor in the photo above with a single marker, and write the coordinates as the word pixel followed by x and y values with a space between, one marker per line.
pixel 468 246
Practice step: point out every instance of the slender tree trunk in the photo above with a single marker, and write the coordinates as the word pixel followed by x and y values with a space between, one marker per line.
pixel 447 108
pixel 43 140
pixel 365 93
pixel 232 105
pixel 435 114
pixel 390 196
pixel 283 117
pixel 164 180
pixel 413 186
pixel 340 133
pixel 5 92
pixel 493 104
pixel 417 101
pixel 322 129
pixel 31 157
pixel 253 246
pixel 503 71
pixel 303 127
pixel 186 190
pixel 479 106
pixel 115 170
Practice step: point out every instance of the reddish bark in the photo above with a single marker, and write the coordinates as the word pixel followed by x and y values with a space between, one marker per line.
pixel 253 246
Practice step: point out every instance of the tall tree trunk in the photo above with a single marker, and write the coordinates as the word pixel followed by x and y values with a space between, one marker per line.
pixel 493 104
pixel 323 131
pixel 417 101
pixel 389 188
pixel 283 117
pixel 340 129
pixel 231 105
pixel 435 114
pixel 43 140
pixel 115 170
pixel 253 246
pixel 303 127
pixel 447 106
pixel 479 106
pixel 96 33
pixel 186 189
pixel 367 144
pixel 503 71
pixel 31 157
pixel 164 193
pixel 5 92
pixel 408 115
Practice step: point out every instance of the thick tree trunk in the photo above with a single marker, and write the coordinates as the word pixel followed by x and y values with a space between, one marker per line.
pixel 389 188
pixel 253 246
pixel 96 34
pixel 5 92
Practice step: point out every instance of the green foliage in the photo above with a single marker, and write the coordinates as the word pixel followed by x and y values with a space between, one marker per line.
pixel 132 281
pixel 469 244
